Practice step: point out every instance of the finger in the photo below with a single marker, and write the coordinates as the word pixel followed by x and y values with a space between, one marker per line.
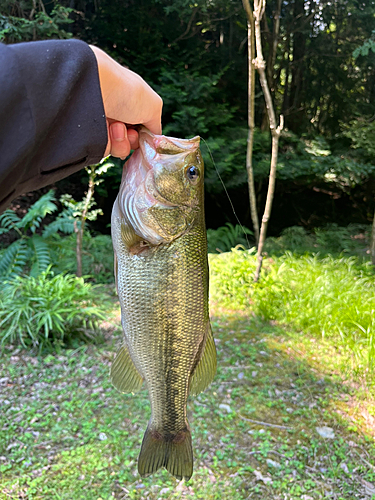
pixel 120 145
pixel 133 138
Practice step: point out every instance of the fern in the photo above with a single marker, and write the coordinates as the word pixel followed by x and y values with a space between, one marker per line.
pixel 8 220
pixel 31 252
pixel 63 223
pixel 45 205
pixel 227 237
pixel 14 259
pixel 41 255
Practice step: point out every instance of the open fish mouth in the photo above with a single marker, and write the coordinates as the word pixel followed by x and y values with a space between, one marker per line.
pixel 150 204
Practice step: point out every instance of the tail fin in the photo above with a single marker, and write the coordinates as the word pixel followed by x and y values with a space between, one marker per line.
pixel 175 453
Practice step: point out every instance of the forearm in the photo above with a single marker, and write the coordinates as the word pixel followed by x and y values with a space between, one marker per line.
pixel 52 119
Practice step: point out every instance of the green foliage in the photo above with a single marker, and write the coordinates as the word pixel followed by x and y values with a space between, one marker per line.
pixel 226 237
pixel 30 252
pixel 361 132
pixel 22 21
pixel 365 48
pixel 330 239
pixel 80 211
pixel 328 297
pixel 300 160
pixel 97 256
pixel 49 309
pixel 183 93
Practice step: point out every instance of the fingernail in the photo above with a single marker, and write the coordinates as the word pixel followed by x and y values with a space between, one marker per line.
pixel 118 131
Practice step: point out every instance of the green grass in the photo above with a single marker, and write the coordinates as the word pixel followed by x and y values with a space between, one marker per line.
pixel 329 297
pixel 49 311
pixel 65 432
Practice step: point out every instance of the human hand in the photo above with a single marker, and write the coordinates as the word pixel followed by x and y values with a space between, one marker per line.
pixel 128 100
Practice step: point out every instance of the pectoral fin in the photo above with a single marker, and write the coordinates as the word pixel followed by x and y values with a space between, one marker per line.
pixel 128 235
pixel 124 374
pixel 205 370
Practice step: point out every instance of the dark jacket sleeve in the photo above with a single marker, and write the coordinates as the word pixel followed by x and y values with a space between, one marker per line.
pixel 52 120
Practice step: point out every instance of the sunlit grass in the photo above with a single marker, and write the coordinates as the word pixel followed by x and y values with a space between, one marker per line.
pixel 332 298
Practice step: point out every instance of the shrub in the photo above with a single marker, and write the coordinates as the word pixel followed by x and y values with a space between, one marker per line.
pixel 328 240
pixel 48 309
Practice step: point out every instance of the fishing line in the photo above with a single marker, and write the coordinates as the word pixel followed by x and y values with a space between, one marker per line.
pixel 226 192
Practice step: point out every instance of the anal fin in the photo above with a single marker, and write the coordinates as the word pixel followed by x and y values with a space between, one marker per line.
pixel 205 370
pixel 124 375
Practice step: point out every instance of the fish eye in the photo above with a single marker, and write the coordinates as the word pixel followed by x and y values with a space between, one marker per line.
pixel 192 173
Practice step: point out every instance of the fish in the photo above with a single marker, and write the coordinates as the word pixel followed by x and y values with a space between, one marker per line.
pixel 161 271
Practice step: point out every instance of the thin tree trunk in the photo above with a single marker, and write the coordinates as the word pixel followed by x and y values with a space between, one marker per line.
pixel 372 246
pixel 259 7
pixel 78 249
pixel 250 116
pixel 80 230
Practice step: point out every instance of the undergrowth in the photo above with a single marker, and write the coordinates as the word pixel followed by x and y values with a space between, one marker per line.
pixel 328 297
pixel 48 310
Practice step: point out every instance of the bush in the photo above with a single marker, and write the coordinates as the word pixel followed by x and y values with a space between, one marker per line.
pixel 48 309
pixel 328 240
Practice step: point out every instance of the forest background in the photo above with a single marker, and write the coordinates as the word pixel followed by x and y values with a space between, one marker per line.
pixel 291 412
pixel 320 68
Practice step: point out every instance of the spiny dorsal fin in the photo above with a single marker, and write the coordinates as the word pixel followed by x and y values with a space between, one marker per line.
pixel 124 375
pixel 205 370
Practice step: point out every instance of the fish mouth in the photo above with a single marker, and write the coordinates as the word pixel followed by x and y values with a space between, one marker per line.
pixel 138 192
pixel 151 145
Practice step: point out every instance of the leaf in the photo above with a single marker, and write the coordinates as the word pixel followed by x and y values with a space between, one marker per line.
pixel 14 259
pixel 8 221
pixel 41 255
pixel 63 223
pixel 45 205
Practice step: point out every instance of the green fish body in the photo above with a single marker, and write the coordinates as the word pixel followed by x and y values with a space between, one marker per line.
pixel 160 246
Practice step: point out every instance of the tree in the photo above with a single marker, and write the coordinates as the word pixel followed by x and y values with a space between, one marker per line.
pixel 22 21
pixel 260 65
pixel 251 117
pixel 78 212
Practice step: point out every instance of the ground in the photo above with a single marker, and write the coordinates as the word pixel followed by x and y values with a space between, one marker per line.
pixel 280 422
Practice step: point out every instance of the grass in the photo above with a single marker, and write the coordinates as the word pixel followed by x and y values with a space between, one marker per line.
pixel 328 297
pixel 65 433
pixel 289 416
pixel 49 310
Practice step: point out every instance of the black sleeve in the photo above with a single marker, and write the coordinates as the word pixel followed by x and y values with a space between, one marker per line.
pixel 52 120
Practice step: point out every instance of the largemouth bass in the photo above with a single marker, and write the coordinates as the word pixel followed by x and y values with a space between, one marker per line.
pixel 161 268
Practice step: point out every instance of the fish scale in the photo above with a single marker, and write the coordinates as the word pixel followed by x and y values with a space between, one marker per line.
pixel 163 292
